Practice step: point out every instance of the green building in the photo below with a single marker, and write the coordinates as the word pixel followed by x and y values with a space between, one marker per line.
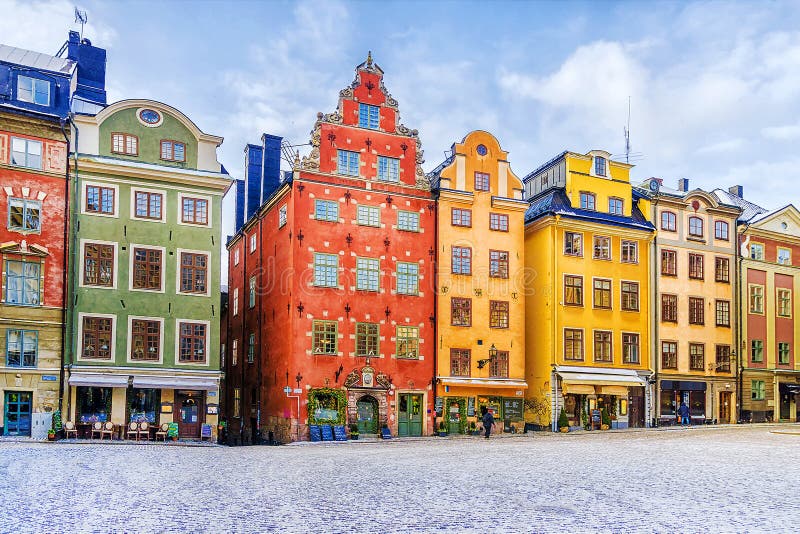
pixel 146 228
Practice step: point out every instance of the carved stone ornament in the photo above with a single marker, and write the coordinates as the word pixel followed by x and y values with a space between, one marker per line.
pixel 311 162
pixel 347 92
pixel 353 378
pixel 422 181
pixel 383 381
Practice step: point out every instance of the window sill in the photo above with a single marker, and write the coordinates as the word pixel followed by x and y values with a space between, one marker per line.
pixel 602 259
pixel 697 239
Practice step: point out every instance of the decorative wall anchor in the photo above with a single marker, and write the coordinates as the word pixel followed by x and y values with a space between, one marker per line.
pixel 431 207
pixel 387 312
pixel 404 147
pixel 370 86
pixel 300 308
pixel 300 188
pixel 444 290
pixel 478 292
pixel 338 373
pixel 347 196
pixel 300 235
pixel 368 142
pixel 349 239
pixel 432 319
pixel 347 309
pixel 431 253
pixel 389 199
pixel 514 295
pixel 386 242
pixel 332 138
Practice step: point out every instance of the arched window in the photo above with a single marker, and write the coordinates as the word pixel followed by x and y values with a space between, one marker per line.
pixel 668 221
pixel 721 230
pixel 695 226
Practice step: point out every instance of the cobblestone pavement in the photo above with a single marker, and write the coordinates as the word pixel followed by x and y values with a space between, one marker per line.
pixel 738 479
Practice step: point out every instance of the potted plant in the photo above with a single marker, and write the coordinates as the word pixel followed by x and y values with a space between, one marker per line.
pixel 442 429
pixel 605 420
pixel 51 434
pixel 353 431
pixel 563 422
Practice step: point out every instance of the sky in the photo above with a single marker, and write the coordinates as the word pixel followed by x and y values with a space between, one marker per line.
pixel 713 86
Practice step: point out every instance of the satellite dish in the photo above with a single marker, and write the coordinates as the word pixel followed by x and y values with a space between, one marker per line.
pixel 654 186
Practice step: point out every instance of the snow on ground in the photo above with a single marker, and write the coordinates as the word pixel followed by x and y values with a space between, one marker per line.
pixel 737 479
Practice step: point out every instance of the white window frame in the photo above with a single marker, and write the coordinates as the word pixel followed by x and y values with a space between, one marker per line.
pixel 178 342
pixel 209 214
pixel 760 248
pixel 26 203
pixel 635 251
pixel 131 248
pixel 27 142
pixel 253 242
pixel 235 301
pixel 161 192
pixel 79 355
pixel 85 185
pixel 81 261
pixel 34 82
pixel 178 253
pixel 788 256
pixel 236 256
pixel 129 339
pixel 609 247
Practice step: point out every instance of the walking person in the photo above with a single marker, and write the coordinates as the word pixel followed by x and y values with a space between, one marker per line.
pixel 488 421
pixel 683 412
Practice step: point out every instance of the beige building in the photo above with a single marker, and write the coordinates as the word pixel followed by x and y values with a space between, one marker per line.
pixel 694 285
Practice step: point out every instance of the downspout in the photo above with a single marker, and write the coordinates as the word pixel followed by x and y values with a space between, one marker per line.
pixel 64 279
pixel 243 336
pixel 739 329
pixel 655 269
pixel 554 330
pixel 70 295
pixel 259 329
pixel 436 299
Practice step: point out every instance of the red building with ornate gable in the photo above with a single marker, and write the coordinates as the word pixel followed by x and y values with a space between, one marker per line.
pixel 331 279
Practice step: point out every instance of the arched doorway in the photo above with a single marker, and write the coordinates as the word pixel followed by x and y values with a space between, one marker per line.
pixel 367 410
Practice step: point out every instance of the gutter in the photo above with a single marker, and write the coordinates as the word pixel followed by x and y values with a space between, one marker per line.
pixel 69 295
pixel 64 279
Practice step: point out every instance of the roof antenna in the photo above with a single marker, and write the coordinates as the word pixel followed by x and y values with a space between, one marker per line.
pixel 80 16
pixel 627 131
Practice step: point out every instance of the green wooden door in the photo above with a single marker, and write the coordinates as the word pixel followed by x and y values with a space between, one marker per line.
pixel 367 408
pixel 409 422
pixel 453 416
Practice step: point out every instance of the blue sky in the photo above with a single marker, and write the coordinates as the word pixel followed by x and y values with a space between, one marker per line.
pixel 714 86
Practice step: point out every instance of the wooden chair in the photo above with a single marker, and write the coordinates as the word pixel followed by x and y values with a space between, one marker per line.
pixel 69 428
pixel 97 428
pixel 108 429
pixel 133 429
pixel 144 430
pixel 162 432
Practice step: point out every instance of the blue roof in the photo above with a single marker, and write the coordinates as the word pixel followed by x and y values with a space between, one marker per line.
pixel 542 167
pixel 556 202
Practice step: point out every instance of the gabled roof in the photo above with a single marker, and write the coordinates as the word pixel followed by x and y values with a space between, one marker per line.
pixel 36 60
pixel 749 209
pixel 556 202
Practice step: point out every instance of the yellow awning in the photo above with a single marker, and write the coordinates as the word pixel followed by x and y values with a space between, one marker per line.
pixel 577 389
pixel 619 391
pixel 509 383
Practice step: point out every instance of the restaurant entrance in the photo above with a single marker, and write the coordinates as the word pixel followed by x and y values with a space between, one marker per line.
pixel 191 413
pixel 17 414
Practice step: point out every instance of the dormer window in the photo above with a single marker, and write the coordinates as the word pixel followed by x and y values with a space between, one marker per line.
pixel 368 116
pixel 126 144
pixel 33 90
pixel 599 166
pixel 173 151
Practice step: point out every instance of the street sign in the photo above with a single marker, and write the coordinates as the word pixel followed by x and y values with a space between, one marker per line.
pixel 287 390
pixel 298 390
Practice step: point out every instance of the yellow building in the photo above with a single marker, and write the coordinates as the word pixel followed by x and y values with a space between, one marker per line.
pixel 695 277
pixel 480 305
pixel 587 306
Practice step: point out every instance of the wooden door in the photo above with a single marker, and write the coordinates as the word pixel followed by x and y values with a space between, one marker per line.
pixel 191 414
pixel 409 415
pixel 725 407
pixel 367 409
pixel 636 408
pixel 18 413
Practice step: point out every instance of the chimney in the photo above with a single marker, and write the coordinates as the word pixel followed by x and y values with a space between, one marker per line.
pixel 252 179
pixel 239 204
pixel 271 164
pixel 91 72
pixel 736 190
pixel 683 185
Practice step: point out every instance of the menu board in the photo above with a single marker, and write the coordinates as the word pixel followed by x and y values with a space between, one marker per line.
pixel 386 433
pixel 205 431
pixel 512 409
pixel 339 434
pixel 327 433
pixel 173 430
pixel 438 406
pixel 471 407
pixel 316 434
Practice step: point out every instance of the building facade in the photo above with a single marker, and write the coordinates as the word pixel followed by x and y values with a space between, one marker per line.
pixel 769 266
pixel 480 306
pixel 695 281
pixel 588 330
pixel 35 91
pixel 331 285
pixel 146 272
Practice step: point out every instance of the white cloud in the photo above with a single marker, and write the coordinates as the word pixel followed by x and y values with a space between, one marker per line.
pixel 721 146
pixel 42 25
pixel 782 133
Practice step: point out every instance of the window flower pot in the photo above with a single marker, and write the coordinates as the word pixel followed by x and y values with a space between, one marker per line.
pixel 564 429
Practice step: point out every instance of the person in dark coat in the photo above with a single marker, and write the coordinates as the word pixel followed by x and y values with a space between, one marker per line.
pixel 488 421
pixel 683 412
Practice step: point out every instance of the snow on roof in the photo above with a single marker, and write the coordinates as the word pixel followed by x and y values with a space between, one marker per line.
pixel 36 60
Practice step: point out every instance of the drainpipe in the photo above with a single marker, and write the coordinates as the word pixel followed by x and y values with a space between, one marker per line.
pixel 64 279
pixel 739 329
pixel 655 269
pixel 69 295
pixel 435 277
pixel 554 328
pixel 259 328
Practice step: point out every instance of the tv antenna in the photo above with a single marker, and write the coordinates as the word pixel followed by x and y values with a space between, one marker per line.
pixel 627 131
pixel 82 18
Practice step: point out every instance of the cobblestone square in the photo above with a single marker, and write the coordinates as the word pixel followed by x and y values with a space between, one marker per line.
pixel 738 479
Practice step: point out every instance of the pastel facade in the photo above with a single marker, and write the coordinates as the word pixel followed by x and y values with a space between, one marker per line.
pixel 481 294
pixel 35 91
pixel 331 279
pixel 144 326
pixel 696 304
pixel 769 268
pixel 587 318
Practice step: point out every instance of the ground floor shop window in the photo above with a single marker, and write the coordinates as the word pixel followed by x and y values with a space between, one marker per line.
pixel 94 404
pixel 143 405
pixel 326 406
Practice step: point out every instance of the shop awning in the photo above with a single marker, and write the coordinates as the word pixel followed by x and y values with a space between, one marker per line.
pixel 509 383
pixel 577 389
pixel 599 377
pixel 98 380
pixel 176 382
pixel 619 391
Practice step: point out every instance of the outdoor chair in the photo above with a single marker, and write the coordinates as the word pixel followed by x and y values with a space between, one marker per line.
pixel 144 431
pixel 133 429
pixel 69 428
pixel 97 428
pixel 108 429
pixel 162 431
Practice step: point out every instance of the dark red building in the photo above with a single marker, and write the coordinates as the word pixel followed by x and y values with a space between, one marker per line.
pixel 331 279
